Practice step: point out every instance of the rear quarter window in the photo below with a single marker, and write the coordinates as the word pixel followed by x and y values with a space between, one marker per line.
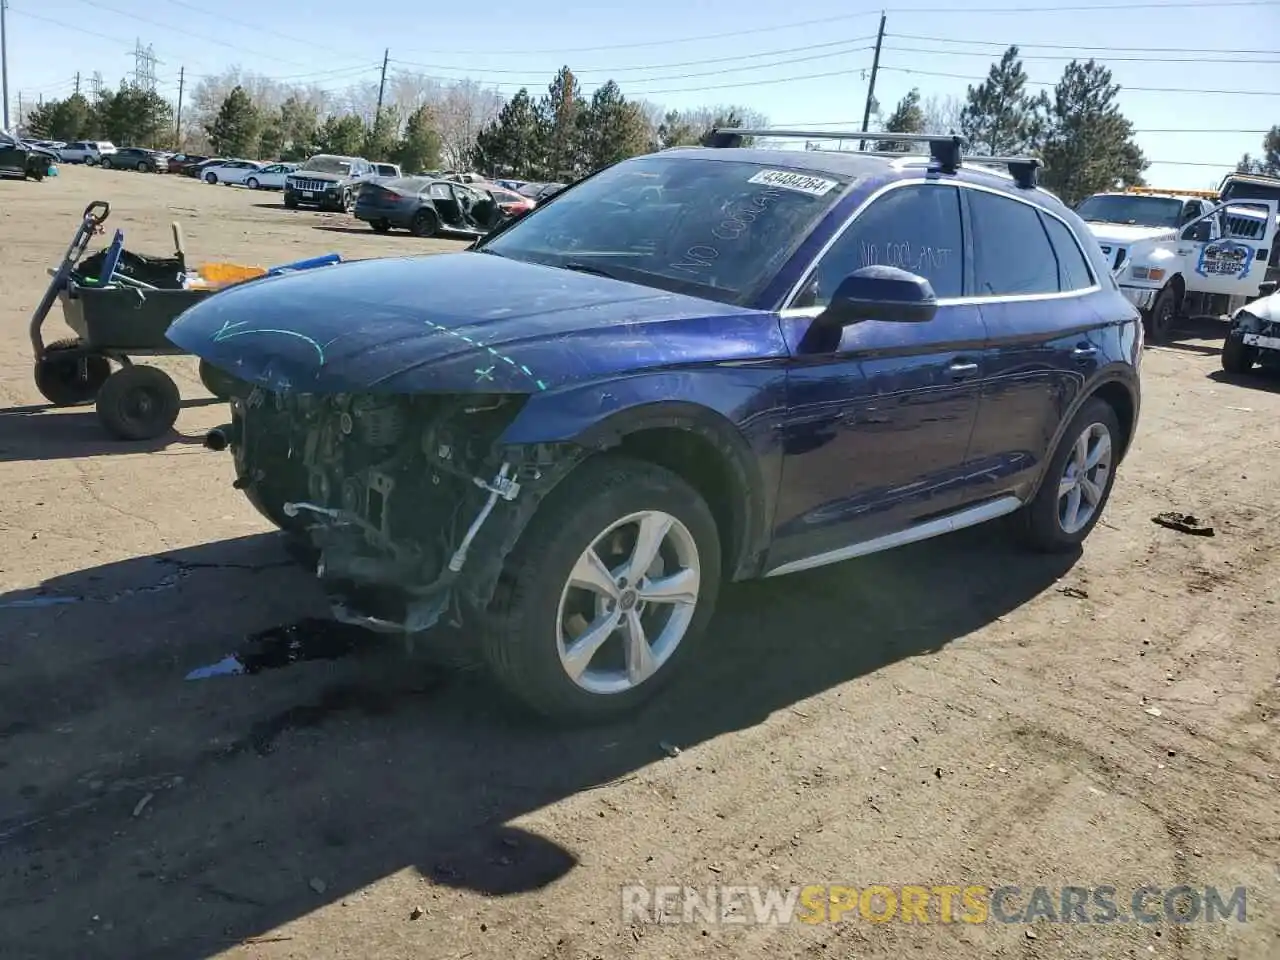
pixel 1011 252
pixel 1073 268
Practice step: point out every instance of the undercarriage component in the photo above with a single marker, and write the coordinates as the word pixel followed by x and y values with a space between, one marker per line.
pixel 409 502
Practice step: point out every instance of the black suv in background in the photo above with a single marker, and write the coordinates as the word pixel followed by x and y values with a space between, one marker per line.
pixel 23 160
pixel 137 158
pixel 328 182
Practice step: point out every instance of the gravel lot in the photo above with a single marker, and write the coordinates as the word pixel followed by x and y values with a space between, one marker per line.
pixel 955 713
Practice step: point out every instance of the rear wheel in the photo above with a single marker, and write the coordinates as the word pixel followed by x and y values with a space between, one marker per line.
pixel 607 592
pixel 1077 483
pixel 67 375
pixel 1237 356
pixel 425 223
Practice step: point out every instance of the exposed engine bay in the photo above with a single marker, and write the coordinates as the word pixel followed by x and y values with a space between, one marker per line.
pixel 409 502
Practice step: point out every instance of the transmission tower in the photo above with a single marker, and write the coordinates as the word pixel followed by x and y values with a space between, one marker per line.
pixel 144 66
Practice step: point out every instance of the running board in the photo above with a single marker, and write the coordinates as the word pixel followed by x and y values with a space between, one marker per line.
pixel 969 517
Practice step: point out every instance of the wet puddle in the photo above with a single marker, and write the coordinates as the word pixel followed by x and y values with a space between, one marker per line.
pixel 281 646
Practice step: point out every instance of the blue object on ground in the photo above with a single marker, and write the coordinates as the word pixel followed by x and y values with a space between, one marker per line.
pixel 52 171
pixel 321 261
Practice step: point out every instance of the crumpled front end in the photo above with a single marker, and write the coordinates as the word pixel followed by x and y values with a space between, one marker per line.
pixel 410 502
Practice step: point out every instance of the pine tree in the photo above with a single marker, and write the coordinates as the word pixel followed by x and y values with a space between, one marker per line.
pixel 1000 117
pixel 907 117
pixel 420 148
pixel 611 128
pixel 512 144
pixel 236 129
pixel 559 111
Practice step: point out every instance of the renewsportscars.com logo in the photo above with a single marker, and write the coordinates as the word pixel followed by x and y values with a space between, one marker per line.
pixel 833 903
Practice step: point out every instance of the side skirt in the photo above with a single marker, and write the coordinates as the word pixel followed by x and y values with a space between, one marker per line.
pixel 968 517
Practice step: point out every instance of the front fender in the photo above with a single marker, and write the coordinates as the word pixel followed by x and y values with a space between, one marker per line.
pixel 737 409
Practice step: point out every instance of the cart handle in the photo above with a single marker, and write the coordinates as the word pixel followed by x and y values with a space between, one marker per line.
pixel 98 218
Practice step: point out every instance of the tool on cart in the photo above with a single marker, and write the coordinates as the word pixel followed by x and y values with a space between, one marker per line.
pixel 120 304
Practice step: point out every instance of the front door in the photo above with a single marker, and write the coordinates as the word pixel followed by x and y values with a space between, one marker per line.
pixel 1226 250
pixel 878 423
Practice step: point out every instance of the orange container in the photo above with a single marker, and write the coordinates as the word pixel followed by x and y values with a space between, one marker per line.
pixel 220 274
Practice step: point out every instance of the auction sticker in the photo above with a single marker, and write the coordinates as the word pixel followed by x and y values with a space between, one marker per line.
pixel 799 182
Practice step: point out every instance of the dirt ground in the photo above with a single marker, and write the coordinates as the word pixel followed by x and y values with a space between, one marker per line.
pixel 950 714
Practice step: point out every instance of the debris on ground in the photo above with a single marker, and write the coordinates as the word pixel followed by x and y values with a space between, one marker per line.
pixel 1183 523
pixel 1074 593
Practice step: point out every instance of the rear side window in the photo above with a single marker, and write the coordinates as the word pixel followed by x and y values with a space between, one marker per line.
pixel 1073 269
pixel 1011 252
pixel 915 228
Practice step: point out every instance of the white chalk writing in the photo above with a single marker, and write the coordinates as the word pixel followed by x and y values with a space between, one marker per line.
pixel 905 256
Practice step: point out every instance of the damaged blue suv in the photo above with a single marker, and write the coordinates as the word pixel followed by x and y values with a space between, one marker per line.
pixel 700 365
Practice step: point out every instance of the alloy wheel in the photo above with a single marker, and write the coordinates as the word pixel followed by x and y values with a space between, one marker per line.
pixel 1084 478
pixel 628 602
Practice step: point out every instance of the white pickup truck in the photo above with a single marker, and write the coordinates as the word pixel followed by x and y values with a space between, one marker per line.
pixel 1176 253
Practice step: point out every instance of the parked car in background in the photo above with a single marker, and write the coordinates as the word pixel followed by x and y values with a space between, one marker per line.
pixel 766 361
pixel 327 181
pixel 136 158
pixel 196 169
pixel 511 203
pixel 425 206
pixel 53 146
pixel 22 160
pixel 183 162
pixel 230 171
pixel 390 171
pixel 269 176
pixel 537 192
pixel 89 152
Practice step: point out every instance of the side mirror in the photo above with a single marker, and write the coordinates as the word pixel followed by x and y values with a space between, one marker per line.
pixel 881 293
pixel 1201 232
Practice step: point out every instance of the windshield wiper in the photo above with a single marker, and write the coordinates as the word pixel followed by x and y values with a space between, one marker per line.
pixel 577 267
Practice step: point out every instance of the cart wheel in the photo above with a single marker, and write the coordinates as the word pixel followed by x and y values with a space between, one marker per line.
pixel 71 378
pixel 138 403
pixel 222 385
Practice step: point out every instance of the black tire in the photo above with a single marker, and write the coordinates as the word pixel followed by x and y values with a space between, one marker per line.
pixel 252 183
pixel 222 385
pixel 210 178
pixel 291 203
pixel 67 380
pixel 138 403
pixel 1237 356
pixel 1038 523
pixel 37 173
pixel 106 163
pixel 380 226
pixel 520 629
pixel 425 223
pixel 1162 315
pixel 144 167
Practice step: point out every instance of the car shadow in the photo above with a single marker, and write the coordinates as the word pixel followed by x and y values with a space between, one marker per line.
pixel 193 815
pixel 1256 379
pixel 45 432
pixel 1196 328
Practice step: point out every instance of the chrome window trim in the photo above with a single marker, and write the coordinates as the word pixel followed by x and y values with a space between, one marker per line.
pixel 799 285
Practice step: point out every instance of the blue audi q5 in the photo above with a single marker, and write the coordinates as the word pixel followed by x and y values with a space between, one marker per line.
pixel 704 364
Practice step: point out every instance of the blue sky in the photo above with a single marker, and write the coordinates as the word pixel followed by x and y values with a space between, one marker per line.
pixel 807 65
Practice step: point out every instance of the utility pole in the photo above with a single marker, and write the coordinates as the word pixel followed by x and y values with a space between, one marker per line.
pixel 4 66
pixel 871 84
pixel 177 127
pixel 382 86
pixel 77 83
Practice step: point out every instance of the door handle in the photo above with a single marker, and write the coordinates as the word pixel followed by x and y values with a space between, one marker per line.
pixel 962 368
pixel 1084 351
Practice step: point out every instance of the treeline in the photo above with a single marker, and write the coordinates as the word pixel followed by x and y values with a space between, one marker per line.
pixel 1077 127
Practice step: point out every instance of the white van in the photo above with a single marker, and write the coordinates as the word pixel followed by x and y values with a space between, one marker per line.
pixel 87 151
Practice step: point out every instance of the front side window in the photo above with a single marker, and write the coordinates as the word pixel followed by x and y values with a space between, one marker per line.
pixel 915 228
pixel 1011 252
pixel 719 229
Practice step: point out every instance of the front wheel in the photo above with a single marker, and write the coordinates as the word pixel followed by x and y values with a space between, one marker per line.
pixel 210 178
pixel 144 167
pixel 607 592
pixel 1163 313
pixel 1237 356
pixel 290 203
pixel 106 163
pixel 138 402
pixel 1076 484
pixel 252 183
pixel 380 226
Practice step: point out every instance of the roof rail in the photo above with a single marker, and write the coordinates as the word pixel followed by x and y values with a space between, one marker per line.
pixel 945 150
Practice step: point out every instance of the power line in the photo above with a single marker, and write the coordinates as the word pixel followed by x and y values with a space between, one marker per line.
pixel 1065 46
pixel 1123 88
pixel 1107 59
pixel 701 61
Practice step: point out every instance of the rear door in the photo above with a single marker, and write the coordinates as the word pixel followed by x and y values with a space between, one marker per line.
pixel 1228 248
pixel 1036 289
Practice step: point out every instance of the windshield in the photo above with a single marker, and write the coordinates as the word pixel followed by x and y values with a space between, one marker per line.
pixel 1135 210
pixel 327 164
pixel 1248 190
pixel 713 228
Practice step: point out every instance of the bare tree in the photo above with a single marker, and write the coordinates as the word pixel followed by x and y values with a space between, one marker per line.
pixel 941 114
pixel 461 113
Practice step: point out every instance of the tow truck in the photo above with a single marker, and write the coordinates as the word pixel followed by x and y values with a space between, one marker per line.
pixel 1186 252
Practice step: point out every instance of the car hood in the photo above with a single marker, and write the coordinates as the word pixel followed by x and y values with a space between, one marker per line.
pixel 1129 233
pixel 460 322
